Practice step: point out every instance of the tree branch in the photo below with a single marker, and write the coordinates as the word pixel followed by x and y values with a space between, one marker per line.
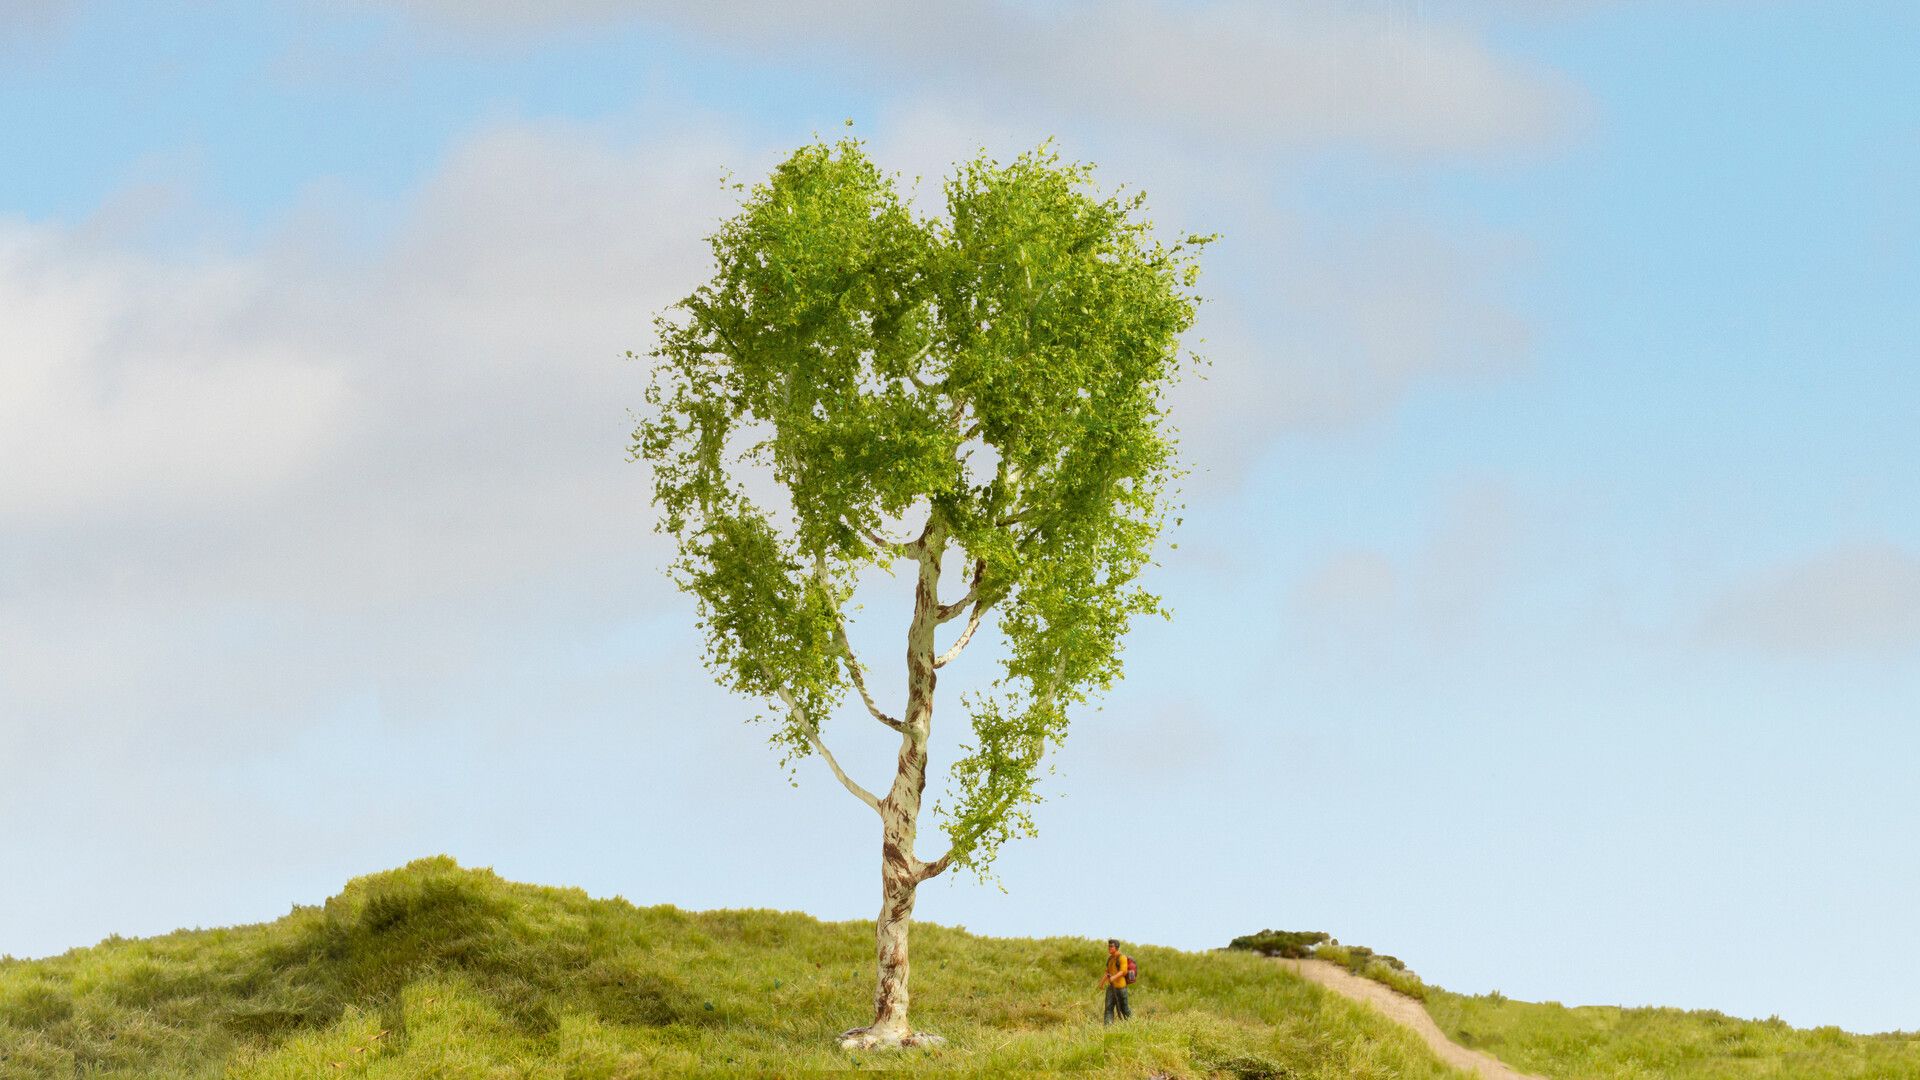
pixel 923 871
pixel 950 612
pixel 859 792
pixel 859 681
pixel 933 869
pixel 973 623
pixel 897 547
pixel 913 361
pixel 1006 483
pixel 813 738
pixel 917 547
pixel 846 653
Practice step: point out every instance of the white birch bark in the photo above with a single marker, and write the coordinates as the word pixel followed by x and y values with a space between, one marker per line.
pixel 900 872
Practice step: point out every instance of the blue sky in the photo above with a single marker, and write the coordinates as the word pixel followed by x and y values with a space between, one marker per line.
pixel 1547 607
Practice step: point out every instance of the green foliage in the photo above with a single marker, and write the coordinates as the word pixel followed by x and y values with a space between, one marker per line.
pixel 1292 944
pixel 1608 1043
pixel 436 971
pixel 1001 369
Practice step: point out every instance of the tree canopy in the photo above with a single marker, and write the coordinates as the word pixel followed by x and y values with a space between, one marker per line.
pixel 1000 368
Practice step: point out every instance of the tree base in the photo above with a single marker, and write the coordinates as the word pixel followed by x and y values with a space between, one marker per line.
pixel 865 1038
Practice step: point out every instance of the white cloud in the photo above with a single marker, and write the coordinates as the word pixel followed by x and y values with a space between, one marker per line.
pixel 129 381
pixel 1302 72
pixel 241 490
pixel 1860 599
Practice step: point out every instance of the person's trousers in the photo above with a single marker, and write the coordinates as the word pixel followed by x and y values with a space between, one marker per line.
pixel 1117 1003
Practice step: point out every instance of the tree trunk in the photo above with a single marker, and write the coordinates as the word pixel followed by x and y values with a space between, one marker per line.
pixel 897 887
pixel 900 872
pixel 900 877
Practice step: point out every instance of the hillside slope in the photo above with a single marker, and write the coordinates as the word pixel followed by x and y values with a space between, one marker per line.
pixel 434 970
pixel 1603 1042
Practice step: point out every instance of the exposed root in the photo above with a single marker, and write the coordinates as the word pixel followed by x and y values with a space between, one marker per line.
pixel 867 1039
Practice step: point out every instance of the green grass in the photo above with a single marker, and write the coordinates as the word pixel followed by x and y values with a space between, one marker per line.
pixel 435 971
pixel 1607 1043
pixel 1388 971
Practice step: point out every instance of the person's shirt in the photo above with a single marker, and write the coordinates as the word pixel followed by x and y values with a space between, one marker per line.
pixel 1116 968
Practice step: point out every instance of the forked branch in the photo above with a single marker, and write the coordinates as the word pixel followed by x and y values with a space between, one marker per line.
pixel 980 602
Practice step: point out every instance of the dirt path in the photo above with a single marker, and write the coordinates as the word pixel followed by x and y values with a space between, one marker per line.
pixel 1407 1012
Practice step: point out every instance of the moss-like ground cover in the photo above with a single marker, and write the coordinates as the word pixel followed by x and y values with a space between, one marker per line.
pixel 1606 1043
pixel 437 971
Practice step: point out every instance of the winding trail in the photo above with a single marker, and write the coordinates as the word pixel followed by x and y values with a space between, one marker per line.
pixel 1406 1012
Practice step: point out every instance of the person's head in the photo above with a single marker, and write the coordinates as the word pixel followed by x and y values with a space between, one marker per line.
pixel 1113 944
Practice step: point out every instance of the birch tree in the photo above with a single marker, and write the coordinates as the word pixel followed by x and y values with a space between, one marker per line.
pixel 982 390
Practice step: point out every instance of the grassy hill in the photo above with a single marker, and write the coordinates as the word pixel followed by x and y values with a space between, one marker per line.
pixel 1599 1042
pixel 437 971
pixel 1604 1042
